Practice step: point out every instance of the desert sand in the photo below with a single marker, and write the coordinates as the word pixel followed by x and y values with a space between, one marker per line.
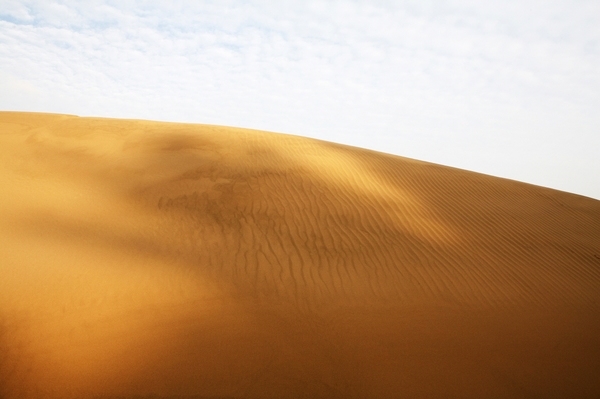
pixel 141 258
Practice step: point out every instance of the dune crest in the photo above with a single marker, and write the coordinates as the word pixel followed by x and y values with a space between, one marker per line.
pixel 144 258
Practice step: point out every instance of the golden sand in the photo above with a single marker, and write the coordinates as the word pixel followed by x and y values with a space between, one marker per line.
pixel 144 258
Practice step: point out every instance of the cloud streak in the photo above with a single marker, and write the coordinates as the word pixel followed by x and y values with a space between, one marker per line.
pixel 509 88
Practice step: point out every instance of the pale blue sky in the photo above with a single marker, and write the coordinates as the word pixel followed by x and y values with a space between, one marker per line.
pixel 508 88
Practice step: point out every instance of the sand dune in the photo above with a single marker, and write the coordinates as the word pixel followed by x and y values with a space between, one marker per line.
pixel 142 258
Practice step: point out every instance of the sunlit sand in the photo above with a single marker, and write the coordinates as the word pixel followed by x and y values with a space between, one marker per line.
pixel 142 258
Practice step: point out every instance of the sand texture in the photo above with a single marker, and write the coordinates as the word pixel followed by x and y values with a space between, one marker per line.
pixel 146 259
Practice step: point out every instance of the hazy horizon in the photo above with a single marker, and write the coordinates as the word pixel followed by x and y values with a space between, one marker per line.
pixel 509 89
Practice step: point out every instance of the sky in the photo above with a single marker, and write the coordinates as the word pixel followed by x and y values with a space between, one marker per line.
pixel 507 88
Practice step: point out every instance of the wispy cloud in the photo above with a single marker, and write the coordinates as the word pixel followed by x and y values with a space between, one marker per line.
pixel 507 88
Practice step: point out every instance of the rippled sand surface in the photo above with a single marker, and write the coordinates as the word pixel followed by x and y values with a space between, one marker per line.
pixel 163 260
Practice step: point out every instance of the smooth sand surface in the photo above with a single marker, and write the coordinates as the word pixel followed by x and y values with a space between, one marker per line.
pixel 141 258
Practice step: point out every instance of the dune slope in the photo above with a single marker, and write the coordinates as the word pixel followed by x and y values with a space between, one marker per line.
pixel 141 258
